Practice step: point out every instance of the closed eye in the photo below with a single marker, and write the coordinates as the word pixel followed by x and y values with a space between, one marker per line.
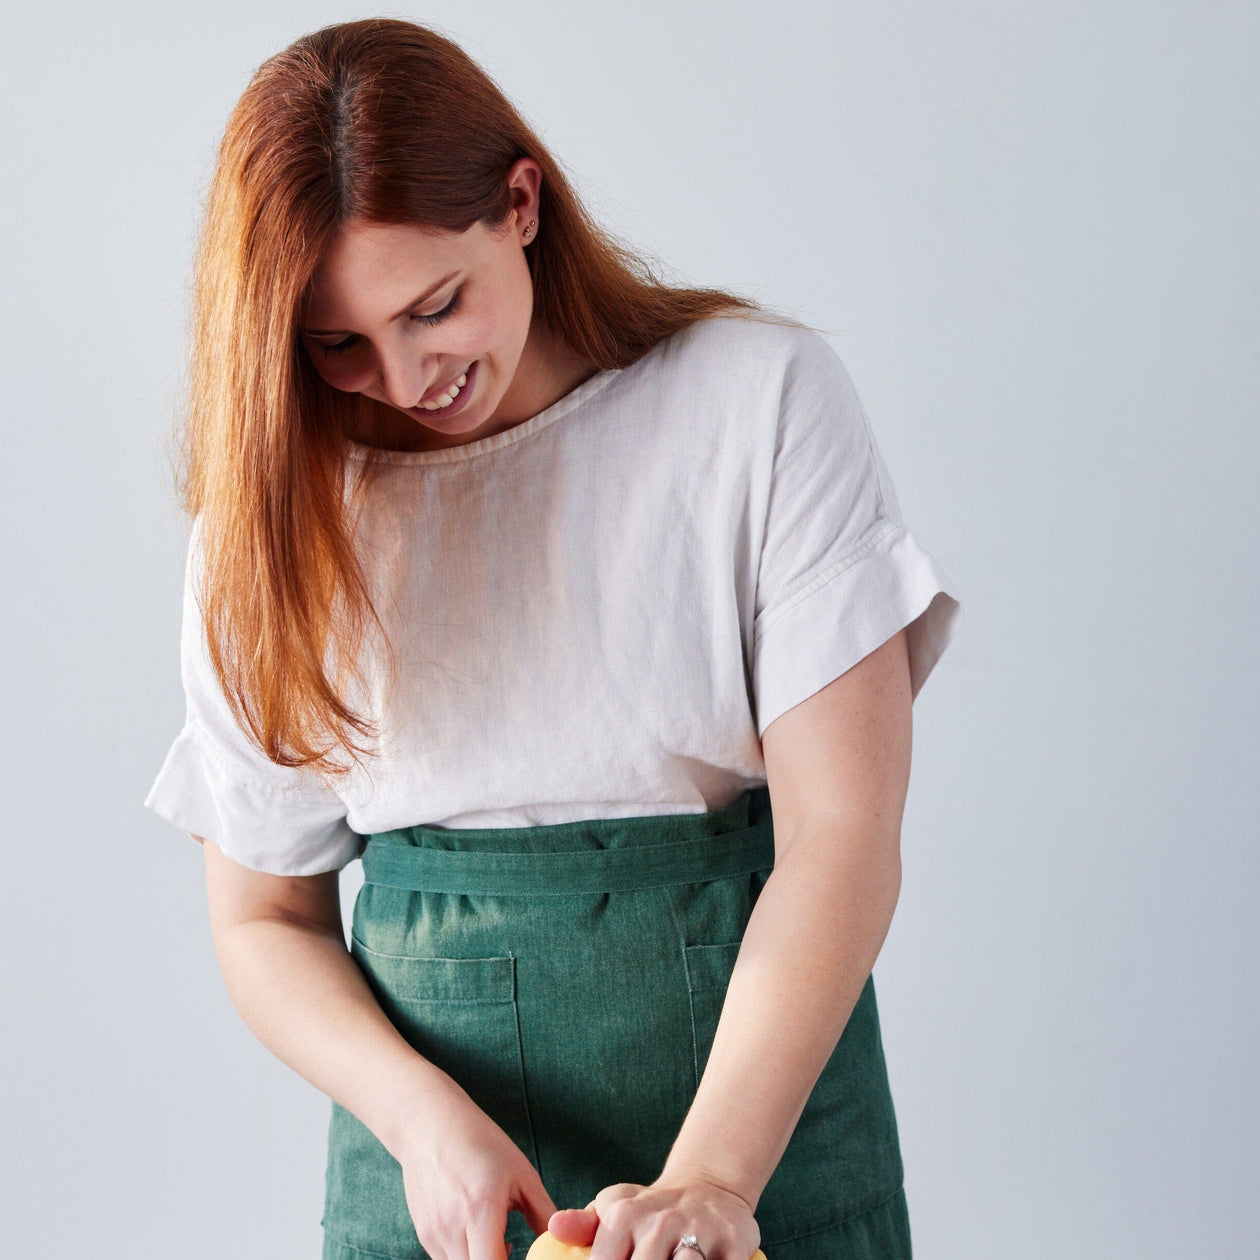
pixel 338 347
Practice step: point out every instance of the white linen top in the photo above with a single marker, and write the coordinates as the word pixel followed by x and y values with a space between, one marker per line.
pixel 597 612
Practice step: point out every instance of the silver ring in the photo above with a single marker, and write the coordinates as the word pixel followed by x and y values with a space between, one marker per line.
pixel 688 1240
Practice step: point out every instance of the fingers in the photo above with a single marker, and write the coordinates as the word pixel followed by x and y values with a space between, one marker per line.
pixel 484 1239
pixel 532 1199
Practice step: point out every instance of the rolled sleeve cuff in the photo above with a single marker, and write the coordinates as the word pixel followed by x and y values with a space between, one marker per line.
pixel 278 830
pixel 888 583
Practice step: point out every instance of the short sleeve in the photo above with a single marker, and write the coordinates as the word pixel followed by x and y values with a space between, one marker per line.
pixel 839 573
pixel 217 784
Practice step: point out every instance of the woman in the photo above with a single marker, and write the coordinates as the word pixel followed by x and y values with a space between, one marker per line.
pixel 534 581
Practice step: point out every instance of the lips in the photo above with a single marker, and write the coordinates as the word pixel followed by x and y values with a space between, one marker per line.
pixel 438 414
pixel 434 395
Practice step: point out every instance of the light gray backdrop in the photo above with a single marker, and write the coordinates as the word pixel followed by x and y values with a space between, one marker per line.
pixel 1029 229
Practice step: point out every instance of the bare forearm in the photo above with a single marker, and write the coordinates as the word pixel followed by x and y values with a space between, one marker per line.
pixel 303 996
pixel 808 948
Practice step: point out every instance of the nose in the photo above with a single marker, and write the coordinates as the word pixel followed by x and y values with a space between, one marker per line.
pixel 404 379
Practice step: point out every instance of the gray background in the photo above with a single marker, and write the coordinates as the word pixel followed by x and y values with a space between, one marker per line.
pixel 1026 229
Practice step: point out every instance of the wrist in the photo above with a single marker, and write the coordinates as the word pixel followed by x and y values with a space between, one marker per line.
pixel 677 1171
pixel 416 1110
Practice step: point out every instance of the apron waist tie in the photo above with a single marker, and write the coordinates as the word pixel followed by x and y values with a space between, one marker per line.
pixel 679 861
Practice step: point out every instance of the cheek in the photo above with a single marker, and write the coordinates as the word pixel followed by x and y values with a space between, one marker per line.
pixel 491 317
pixel 477 332
pixel 350 375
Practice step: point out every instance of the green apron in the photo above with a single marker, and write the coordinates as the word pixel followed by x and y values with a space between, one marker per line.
pixel 570 978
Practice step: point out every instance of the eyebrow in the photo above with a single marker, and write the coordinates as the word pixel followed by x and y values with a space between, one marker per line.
pixel 423 297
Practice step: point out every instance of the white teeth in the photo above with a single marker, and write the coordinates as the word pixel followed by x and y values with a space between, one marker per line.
pixel 445 399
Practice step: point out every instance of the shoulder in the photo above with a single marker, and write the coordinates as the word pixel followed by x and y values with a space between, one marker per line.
pixel 757 353
pixel 753 334
pixel 732 388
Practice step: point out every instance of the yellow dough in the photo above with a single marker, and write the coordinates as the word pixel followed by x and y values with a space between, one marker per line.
pixel 548 1247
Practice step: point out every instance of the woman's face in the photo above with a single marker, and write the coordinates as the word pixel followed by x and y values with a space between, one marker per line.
pixel 400 313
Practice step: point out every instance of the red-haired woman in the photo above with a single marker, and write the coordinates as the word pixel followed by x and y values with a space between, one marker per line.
pixel 532 581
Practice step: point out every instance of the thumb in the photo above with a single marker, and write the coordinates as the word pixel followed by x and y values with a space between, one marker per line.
pixel 575 1226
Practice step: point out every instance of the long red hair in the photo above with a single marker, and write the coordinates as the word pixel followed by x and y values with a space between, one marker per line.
pixel 385 121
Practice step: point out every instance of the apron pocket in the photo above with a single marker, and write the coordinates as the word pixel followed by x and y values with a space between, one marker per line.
pixel 461 1015
pixel 709 970
pixel 843 1156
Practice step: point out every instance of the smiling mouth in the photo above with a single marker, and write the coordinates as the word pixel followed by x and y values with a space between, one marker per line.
pixel 444 397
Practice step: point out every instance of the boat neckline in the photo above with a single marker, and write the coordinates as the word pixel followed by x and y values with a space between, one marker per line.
pixel 563 406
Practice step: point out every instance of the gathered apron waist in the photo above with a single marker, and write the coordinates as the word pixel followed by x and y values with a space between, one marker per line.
pixel 683 861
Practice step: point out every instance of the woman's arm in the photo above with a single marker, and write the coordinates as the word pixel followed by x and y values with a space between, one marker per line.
pixel 281 948
pixel 838 767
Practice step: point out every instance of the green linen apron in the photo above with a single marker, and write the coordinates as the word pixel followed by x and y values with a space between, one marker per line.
pixel 570 978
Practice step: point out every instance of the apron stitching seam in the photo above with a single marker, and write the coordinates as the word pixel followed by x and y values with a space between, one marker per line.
pixel 691 1006
pixel 841 1220
pixel 680 938
pixel 520 1050
pixel 349 1246
pixel 466 891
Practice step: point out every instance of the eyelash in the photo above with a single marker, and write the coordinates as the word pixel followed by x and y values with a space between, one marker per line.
pixel 436 318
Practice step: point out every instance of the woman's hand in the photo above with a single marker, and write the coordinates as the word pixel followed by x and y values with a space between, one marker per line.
pixel 629 1222
pixel 461 1176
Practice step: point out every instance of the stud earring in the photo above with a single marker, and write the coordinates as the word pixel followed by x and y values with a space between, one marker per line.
pixel 530 228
